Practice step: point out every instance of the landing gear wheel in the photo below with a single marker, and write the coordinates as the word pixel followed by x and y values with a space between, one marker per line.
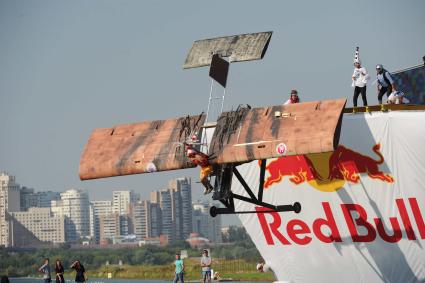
pixel 297 207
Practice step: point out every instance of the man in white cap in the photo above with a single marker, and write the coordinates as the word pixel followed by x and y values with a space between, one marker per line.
pixel 385 82
pixel 206 267
pixel 360 77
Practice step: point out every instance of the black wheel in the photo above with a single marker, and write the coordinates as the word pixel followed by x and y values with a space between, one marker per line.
pixel 297 207
pixel 213 211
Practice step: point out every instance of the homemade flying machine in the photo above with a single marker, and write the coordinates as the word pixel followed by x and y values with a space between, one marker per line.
pixel 238 136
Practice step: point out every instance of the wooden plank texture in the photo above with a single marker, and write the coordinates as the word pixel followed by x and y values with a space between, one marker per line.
pixel 139 148
pixel 243 47
pixel 260 133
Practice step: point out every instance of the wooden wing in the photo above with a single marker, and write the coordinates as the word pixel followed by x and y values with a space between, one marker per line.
pixel 139 148
pixel 260 133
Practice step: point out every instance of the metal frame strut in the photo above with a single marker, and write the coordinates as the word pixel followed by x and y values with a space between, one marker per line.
pixel 257 200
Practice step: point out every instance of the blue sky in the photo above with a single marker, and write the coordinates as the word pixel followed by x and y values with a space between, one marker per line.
pixel 67 67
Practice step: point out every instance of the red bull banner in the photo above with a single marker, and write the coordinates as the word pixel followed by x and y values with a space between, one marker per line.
pixel 363 205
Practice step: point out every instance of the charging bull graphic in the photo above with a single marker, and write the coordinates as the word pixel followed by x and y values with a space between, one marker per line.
pixel 327 172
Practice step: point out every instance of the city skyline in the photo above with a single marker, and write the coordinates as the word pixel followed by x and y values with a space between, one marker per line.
pixel 96 197
pixel 26 220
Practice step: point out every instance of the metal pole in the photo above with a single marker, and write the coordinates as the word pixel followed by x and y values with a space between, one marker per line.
pixel 205 139
pixel 224 92
pixel 222 101
pixel 209 101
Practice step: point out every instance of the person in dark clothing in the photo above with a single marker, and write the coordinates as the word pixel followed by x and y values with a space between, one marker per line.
pixel 59 272
pixel 79 268
pixel 4 279
pixel 385 84
pixel 45 269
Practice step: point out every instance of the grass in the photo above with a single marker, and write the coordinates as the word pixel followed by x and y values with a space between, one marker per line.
pixel 238 270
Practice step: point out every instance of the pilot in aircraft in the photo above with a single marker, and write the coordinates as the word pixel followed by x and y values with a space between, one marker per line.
pixel 294 98
pixel 201 159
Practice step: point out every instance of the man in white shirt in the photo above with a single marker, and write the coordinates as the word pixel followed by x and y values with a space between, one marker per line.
pixel 360 77
pixel 206 267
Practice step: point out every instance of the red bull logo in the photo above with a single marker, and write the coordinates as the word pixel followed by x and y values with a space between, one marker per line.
pixel 327 172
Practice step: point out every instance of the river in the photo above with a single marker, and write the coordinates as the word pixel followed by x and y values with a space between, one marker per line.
pixel 100 280
pixel 95 280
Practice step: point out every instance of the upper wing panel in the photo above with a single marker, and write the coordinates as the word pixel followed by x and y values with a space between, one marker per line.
pixel 243 47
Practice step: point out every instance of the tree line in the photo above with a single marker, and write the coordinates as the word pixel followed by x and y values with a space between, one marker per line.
pixel 237 245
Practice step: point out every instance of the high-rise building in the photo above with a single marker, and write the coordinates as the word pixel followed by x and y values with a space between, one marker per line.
pixel 121 201
pixel 207 226
pixel 44 198
pixel 164 199
pixel 109 227
pixel 146 219
pixel 182 186
pixel 97 209
pixel 41 223
pixel 9 202
pixel 176 209
pixel 29 198
pixel 74 205
pixel 155 218
pixel 126 227
pixel 176 213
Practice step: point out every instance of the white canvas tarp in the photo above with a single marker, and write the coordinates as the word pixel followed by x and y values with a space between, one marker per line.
pixel 363 207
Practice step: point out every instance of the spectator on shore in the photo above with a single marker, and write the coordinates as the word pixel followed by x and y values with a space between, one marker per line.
pixel 45 269
pixel 260 266
pixel 263 267
pixel 79 268
pixel 59 272
pixel 206 267
pixel 179 271
pixel 4 279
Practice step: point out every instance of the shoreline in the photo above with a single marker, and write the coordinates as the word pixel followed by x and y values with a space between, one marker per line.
pixel 100 279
